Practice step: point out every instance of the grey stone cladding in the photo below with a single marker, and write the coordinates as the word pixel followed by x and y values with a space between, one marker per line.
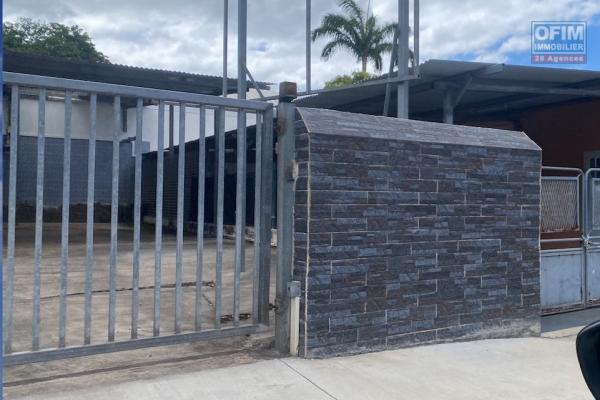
pixel 409 232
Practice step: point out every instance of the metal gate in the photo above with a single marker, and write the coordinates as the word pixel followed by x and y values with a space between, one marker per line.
pixel 89 299
pixel 570 229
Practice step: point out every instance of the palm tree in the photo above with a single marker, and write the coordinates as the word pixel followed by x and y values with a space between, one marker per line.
pixel 357 32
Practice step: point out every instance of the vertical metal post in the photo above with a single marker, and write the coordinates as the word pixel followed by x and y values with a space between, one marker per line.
pixel 388 86
pixel 114 219
pixel 585 207
pixel 241 51
pixel 89 259
pixel 240 214
pixel 588 215
pixel 180 192
pixel 137 202
pixel 308 32
pixel 39 220
pixel 220 179
pixel 200 217
pixel 416 40
pixel 171 154
pixel 257 211
pixel 225 37
pixel 403 56
pixel 448 107
pixel 262 216
pixel 159 217
pixel 285 217
pixel 66 202
pixel 12 206
pixel 241 136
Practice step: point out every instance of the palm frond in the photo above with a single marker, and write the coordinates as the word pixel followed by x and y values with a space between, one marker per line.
pixel 332 47
pixel 352 8
pixel 332 25
pixel 355 31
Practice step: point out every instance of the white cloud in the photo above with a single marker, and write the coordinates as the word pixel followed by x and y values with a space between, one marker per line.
pixel 186 35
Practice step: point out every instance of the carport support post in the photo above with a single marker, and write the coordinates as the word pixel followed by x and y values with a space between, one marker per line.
pixel 403 55
pixel 448 107
pixel 285 215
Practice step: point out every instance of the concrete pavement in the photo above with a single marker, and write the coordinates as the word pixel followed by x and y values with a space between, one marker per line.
pixel 50 281
pixel 527 368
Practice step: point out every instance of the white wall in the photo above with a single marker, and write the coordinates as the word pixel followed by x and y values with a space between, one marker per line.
pixel 55 120
pixel 192 124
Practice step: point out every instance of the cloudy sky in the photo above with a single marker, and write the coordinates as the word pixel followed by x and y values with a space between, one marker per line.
pixel 186 35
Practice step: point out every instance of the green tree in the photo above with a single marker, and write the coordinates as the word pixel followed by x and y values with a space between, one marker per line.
pixel 357 32
pixel 50 39
pixel 352 79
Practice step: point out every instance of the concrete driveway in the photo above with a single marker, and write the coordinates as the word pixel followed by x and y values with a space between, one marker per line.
pixel 50 281
pixel 527 368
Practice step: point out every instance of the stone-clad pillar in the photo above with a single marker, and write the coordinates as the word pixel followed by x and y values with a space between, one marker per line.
pixel 411 232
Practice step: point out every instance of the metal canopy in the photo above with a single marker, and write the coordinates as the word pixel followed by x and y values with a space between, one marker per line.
pixel 488 88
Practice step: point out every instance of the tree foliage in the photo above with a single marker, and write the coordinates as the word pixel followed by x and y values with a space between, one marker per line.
pixel 356 31
pixel 50 39
pixel 352 79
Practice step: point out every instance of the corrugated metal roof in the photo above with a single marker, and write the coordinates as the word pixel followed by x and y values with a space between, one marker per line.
pixel 426 98
pixel 117 74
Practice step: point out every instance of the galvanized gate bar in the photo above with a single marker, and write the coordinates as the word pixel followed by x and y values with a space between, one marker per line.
pixel 240 213
pixel 66 202
pixel 89 236
pixel 257 219
pixel 39 220
pixel 114 220
pixel 137 202
pixel 158 225
pixel 220 144
pixel 266 188
pixel 133 344
pixel 180 193
pixel 12 206
pixel 131 91
pixel 200 217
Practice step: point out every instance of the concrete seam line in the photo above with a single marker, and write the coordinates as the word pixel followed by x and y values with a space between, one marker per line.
pixel 309 380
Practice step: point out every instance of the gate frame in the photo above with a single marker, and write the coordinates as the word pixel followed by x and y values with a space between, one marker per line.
pixel 587 228
pixel 584 215
pixel 260 297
